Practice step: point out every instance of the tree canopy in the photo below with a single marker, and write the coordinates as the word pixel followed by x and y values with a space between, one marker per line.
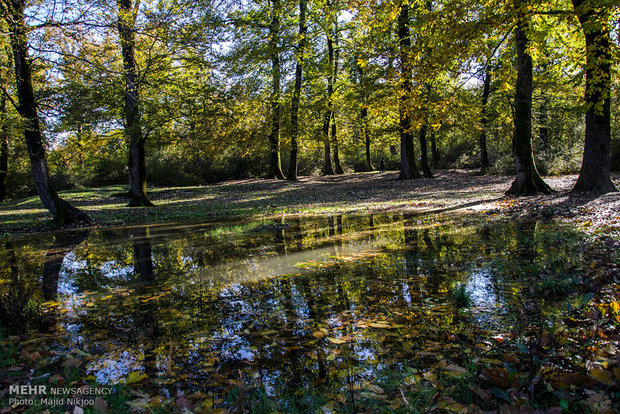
pixel 173 92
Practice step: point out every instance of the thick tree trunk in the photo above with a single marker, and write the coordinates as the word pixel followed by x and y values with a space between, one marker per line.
pixel 63 212
pixel 486 91
pixel 303 29
pixel 133 122
pixel 275 165
pixel 528 180
pixel 4 149
pixel 594 176
pixel 408 168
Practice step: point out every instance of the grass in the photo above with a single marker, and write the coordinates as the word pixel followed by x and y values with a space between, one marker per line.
pixel 350 193
pixel 341 194
pixel 460 296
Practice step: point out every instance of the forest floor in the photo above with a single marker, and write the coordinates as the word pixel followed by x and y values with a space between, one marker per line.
pixel 354 193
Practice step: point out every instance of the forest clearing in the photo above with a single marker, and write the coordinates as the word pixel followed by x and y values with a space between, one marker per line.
pixel 354 193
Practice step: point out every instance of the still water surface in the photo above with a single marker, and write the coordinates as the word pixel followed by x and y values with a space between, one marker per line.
pixel 285 303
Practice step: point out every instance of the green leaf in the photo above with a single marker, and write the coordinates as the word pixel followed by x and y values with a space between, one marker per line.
pixel 585 299
pixel 500 394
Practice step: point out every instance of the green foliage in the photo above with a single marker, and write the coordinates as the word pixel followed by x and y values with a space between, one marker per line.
pixel 19 310
pixel 460 295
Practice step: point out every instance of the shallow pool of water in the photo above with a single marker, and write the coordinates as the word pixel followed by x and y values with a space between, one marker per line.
pixel 285 303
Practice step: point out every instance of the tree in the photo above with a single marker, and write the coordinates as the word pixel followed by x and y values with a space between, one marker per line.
pixel 486 91
pixel 329 109
pixel 4 148
pixel 408 168
pixel 63 212
pixel 337 166
pixel 275 167
pixel 303 29
pixel 594 176
pixel 528 181
pixel 127 13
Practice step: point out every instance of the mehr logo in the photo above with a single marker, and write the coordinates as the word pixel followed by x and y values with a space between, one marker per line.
pixel 28 389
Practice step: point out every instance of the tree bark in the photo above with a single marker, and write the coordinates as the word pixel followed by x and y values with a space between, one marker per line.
pixel 408 168
pixel 337 166
pixel 275 165
pixel 301 46
pixel 528 180
pixel 128 10
pixel 63 212
pixel 364 122
pixel 594 176
pixel 486 91
pixel 4 149
pixel 327 162
pixel 434 152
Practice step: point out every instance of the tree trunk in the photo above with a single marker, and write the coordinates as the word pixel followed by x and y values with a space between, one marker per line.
pixel 408 168
pixel 133 122
pixel 594 176
pixel 63 212
pixel 275 165
pixel 4 149
pixel 486 91
pixel 528 180
pixel 337 165
pixel 364 122
pixel 434 152
pixel 426 169
pixel 292 171
pixel 327 164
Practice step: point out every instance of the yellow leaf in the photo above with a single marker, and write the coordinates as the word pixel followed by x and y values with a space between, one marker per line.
pixel 134 377
pixel 601 376
pixel 337 341
pixel 380 325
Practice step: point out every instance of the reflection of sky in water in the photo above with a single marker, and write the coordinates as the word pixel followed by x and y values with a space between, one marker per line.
pixel 114 270
pixel 243 302
pixel 70 266
pixel 486 306
pixel 114 366
pixel 480 286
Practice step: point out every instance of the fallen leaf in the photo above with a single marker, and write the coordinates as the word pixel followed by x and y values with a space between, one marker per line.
pixel 134 377
pixel 601 376
pixel 72 362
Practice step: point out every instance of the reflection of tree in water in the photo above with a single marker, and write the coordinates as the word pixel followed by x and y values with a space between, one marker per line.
pixel 64 243
pixel 265 328
pixel 147 323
